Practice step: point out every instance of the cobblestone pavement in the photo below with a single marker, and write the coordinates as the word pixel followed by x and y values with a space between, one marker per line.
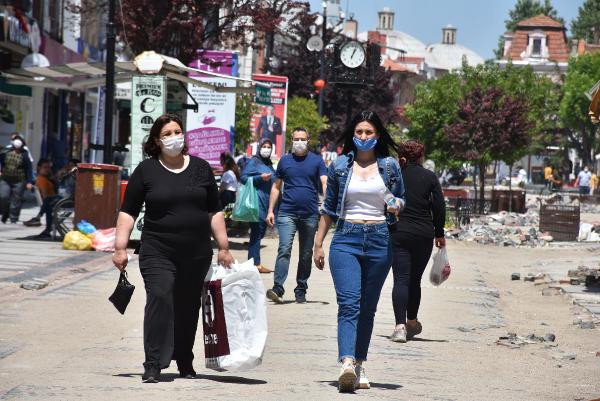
pixel 66 341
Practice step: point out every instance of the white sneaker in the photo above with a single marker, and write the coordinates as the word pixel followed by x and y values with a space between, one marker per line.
pixel 362 381
pixel 347 379
pixel 399 334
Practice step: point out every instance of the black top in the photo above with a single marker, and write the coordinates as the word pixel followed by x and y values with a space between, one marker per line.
pixel 176 204
pixel 425 212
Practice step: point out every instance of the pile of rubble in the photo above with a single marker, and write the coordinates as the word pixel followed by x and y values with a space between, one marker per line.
pixel 504 229
pixel 588 276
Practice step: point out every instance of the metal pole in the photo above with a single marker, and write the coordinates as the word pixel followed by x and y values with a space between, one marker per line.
pixel 110 83
pixel 322 69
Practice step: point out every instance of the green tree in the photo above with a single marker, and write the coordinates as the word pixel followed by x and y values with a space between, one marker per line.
pixel 245 108
pixel 303 112
pixel 587 24
pixel 580 133
pixel 437 102
pixel 525 9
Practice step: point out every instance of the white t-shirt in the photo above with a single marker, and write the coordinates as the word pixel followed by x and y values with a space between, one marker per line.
pixel 364 199
pixel 584 178
pixel 229 181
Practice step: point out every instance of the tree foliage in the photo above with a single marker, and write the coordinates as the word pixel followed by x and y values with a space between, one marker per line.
pixel 303 112
pixel 490 125
pixel 245 108
pixel 587 24
pixel 437 103
pixel 178 28
pixel 523 10
pixel 580 133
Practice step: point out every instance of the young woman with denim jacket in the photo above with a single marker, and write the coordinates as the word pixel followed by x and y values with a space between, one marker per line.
pixel 360 185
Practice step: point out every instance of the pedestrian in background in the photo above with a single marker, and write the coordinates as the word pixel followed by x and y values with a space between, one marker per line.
pixel 364 192
pixel 420 222
pixel 593 183
pixel 260 170
pixel 182 209
pixel 229 180
pixel 583 181
pixel 46 185
pixel 301 174
pixel 16 175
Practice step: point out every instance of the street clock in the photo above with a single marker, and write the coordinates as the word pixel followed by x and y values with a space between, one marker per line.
pixel 352 54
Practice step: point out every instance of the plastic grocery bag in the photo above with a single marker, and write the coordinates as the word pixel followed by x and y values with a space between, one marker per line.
pixel 246 204
pixel 234 317
pixel 104 240
pixel 85 227
pixel 440 270
pixel 77 241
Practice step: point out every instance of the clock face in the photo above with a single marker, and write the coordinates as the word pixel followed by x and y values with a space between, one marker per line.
pixel 352 55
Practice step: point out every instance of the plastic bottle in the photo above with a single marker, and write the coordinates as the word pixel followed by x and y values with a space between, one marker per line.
pixel 388 197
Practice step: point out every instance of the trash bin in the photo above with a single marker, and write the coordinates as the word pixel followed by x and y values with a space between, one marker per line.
pixel 97 194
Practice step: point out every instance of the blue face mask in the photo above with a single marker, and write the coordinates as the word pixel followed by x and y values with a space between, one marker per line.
pixel 365 146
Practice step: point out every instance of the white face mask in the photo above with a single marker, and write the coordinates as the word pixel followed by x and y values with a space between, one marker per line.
pixel 173 145
pixel 265 152
pixel 17 143
pixel 299 147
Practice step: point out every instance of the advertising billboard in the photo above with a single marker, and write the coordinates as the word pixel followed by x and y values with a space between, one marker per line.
pixel 270 122
pixel 209 129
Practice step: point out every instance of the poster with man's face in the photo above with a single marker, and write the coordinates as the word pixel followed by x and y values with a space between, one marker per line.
pixel 270 122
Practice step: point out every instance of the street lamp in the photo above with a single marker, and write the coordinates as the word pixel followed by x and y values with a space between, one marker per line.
pixel 107 156
pixel 322 69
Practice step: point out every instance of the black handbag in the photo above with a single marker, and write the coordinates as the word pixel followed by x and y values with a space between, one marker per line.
pixel 122 295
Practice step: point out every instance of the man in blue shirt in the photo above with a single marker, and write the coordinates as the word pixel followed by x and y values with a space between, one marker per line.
pixel 583 181
pixel 302 172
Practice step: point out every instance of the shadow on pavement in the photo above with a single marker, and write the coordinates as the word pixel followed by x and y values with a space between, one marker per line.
pixel 169 377
pixel 293 302
pixel 418 339
pixel 38 238
pixel 384 386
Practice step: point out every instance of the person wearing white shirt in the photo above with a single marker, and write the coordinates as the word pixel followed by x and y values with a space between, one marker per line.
pixel 583 181
pixel 229 180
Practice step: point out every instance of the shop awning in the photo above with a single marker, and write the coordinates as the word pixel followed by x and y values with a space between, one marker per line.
pixel 82 75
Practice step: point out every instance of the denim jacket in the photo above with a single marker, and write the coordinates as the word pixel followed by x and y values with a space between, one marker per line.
pixel 338 178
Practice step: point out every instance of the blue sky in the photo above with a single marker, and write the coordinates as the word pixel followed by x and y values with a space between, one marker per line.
pixel 479 22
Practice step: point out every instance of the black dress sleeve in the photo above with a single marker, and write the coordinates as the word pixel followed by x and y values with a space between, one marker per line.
pixel 135 194
pixel 438 208
pixel 213 202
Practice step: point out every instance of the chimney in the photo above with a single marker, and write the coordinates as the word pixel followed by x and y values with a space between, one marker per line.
pixel 386 20
pixel 350 28
pixel 449 35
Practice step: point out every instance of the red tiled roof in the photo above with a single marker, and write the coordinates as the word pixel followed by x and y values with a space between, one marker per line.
pixel 540 21
pixel 556 40
pixel 395 67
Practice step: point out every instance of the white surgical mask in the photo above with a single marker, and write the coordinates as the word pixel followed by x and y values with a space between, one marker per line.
pixel 172 146
pixel 17 143
pixel 265 152
pixel 299 147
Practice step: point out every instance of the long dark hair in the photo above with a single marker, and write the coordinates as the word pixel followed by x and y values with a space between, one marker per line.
pixel 385 143
pixel 229 164
pixel 151 146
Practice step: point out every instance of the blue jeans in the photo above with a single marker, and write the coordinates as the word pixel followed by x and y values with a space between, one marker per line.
pixel 287 225
pixel 11 199
pixel 257 232
pixel 360 260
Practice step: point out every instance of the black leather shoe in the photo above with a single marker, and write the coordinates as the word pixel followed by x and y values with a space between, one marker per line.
pixel 151 375
pixel 186 370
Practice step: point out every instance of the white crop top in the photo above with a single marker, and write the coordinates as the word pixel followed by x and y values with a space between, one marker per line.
pixel 364 199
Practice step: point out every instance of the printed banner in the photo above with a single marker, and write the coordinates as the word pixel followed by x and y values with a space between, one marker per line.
pixel 271 121
pixel 148 102
pixel 209 130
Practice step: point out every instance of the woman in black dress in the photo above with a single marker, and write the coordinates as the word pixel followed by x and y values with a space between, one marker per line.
pixel 182 209
pixel 420 224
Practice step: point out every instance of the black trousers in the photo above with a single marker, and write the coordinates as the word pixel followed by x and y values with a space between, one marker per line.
pixel 410 257
pixel 173 284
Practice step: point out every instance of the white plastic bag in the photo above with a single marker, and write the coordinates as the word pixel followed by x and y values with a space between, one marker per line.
pixel 440 270
pixel 234 317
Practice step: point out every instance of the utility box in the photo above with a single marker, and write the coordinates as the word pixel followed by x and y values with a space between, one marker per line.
pixel 97 194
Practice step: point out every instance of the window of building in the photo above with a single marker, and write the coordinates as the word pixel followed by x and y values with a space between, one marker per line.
pixel 537 47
